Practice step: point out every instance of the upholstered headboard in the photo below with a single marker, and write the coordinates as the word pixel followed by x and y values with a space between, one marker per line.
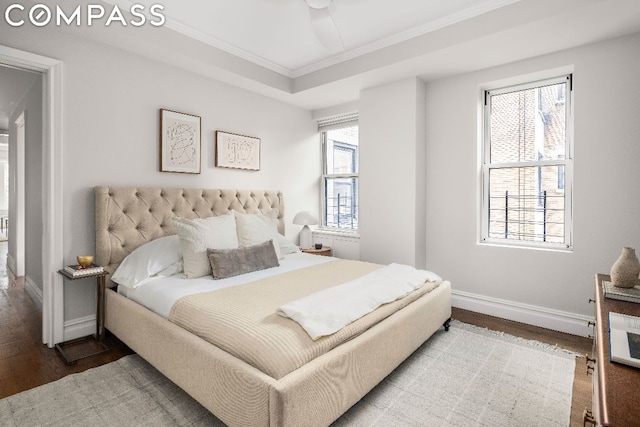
pixel 127 217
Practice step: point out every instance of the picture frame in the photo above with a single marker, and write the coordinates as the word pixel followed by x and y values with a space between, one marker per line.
pixel 237 151
pixel 180 142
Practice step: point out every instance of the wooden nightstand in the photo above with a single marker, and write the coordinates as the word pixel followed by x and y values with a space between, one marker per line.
pixel 91 345
pixel 324 251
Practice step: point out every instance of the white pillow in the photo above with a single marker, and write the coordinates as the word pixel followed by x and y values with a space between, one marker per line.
pixel 287 246
pixel 257 228
pixel 148 260
pixel 198 235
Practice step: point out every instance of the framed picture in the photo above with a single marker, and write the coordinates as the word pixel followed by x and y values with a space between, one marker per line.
pixel 237 151
pixel 180 142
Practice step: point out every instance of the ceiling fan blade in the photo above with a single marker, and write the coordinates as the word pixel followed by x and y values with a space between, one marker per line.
pixel 326 30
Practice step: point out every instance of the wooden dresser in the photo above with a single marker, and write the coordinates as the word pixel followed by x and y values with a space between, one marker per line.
pixel 616 387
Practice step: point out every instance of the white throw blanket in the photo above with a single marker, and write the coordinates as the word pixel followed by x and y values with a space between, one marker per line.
pixel 328 311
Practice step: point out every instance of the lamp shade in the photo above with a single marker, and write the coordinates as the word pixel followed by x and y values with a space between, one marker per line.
pixel 304 218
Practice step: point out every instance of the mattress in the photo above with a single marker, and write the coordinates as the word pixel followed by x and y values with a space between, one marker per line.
pixel 242 320
pixel 238 314
pixel 159 294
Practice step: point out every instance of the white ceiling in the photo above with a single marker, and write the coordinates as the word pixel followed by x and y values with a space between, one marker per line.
pixel 278 35
pixel 268 46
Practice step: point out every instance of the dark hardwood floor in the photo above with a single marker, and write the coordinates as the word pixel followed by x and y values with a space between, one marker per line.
pixel 26 363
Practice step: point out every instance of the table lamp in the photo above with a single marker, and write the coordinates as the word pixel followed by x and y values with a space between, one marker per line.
pixel 305 219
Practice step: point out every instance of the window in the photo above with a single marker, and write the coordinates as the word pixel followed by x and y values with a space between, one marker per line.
pixel 527 165
pixel 340 176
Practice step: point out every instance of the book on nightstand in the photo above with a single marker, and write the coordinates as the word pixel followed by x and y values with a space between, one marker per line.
pixel 624 339
pixel 77 271
pixel 623 294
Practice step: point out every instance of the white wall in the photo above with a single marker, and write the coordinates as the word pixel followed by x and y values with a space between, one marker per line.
pixel 4 166
pixel 31 105
pixel 392 173
pixel 606 195
pixel 110 136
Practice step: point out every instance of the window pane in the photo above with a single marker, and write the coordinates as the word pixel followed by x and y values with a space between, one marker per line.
pixel 341 202
pixel 528 125
pixel 342 150
pixel 527 204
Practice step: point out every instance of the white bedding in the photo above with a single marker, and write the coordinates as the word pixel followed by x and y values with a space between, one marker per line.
pixel 158 294
pixel 326 312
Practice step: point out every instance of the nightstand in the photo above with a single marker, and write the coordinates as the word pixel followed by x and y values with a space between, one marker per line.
pixel 324 251
pixel 91 345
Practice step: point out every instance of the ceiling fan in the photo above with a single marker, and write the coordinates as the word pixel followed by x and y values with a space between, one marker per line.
pixel 324 26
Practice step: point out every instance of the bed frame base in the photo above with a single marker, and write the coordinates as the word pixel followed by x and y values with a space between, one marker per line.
pixel 316 394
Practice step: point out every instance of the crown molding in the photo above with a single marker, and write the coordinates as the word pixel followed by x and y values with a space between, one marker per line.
pixel 479 9
pixel 395 39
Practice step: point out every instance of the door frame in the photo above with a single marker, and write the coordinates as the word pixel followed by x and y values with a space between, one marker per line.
pixel 19 176
pixel 52 205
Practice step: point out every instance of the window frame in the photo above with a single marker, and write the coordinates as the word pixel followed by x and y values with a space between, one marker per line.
pixel 566 163
pixel 325 175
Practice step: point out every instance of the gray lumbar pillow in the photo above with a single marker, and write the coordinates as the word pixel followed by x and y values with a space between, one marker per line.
pixel 233 262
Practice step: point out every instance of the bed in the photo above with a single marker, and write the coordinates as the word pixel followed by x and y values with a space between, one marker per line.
pixel 238 392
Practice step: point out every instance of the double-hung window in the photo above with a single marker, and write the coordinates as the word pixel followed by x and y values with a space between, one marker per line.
pixel 340 175
pixel 527 165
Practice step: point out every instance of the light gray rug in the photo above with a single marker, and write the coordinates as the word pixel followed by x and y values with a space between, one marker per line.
pixel 468 376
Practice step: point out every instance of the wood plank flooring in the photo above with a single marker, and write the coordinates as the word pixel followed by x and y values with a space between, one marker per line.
pixel 582 382
pixel 26 363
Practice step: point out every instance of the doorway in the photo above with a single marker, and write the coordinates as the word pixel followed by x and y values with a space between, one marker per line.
pixel 18 88
pixel 51 185
pixel 4 183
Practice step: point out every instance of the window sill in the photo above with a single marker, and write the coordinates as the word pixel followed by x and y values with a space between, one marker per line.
pixel 535 247
pixel 337 232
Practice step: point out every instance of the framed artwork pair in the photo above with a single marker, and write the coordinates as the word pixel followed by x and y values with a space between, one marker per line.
pixel 181 145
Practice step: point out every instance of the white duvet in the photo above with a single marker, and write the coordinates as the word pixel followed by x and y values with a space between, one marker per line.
pixel 159 294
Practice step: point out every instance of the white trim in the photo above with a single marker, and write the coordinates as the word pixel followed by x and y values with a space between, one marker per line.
pixel 34 291
pixel 19 195
pixel 80 327
pixel 341 232
pixel 53 247
pixel 52 238
pixel 431 26
pixel 210 40
pixel 557 320
pixel 471 12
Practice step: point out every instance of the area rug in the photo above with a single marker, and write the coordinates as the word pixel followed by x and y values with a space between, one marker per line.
pixel 468 376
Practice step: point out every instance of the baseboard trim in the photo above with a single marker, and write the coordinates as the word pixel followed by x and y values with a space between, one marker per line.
pixel 80 327
pixel 33 290
pixel 557 320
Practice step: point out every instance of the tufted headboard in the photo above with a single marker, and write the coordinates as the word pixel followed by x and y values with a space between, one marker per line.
pixel 127 217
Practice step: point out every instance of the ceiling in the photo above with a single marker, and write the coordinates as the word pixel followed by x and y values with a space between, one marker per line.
pixel 278 34
pixel 269 46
